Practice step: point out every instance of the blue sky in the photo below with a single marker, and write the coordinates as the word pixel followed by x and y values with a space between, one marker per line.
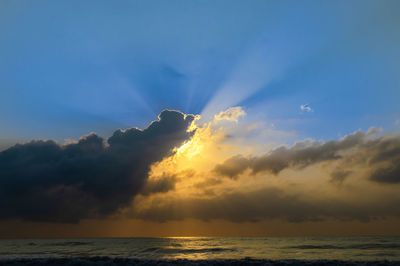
pixel 68 68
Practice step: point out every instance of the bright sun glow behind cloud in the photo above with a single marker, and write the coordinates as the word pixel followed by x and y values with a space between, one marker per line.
pixel 213 176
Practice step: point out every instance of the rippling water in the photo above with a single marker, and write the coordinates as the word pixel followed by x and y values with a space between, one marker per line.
pixel 349 248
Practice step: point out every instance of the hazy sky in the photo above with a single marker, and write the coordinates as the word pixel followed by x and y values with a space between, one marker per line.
pixel 294 128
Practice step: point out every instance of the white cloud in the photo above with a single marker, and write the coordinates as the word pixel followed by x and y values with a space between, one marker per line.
pixel 232 114
pixel 306 108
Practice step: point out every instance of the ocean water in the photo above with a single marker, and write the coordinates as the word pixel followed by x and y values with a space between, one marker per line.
pixel 304 248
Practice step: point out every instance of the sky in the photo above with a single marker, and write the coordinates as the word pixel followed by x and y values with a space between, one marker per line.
pixel 182 118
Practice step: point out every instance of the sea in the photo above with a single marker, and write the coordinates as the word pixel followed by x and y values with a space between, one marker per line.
pixel 208 248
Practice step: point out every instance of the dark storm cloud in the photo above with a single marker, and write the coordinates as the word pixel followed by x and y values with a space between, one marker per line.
pixel 384 159
pixel 380 155
pixel 232 167
pixel 160 185
pixel 300 155
pixel 268 203
pixel 45 181
pixel 389 174
pixel 338 176
pixel 305 153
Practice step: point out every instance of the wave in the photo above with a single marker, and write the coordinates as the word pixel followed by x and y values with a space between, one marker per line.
pixel 354 246
pixel 70 243
pixel 187 251
pixel 131 261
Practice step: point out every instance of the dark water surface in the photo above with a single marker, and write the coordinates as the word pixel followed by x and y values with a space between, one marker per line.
pixel 276 248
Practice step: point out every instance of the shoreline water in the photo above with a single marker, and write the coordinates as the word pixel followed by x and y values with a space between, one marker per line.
pixel 132 261
pixel 228 250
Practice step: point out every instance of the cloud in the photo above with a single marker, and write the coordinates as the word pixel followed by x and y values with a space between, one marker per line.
pixel 390 174
pixel 94 178
pixel 380 155
pixel 162 184
pixel 338 176
pixel 334 180
pixel 45 181
pixel 231 114
pixel 266 203
pixel 303 154
pixel 306 108
pixel 300 155
pixel 233 166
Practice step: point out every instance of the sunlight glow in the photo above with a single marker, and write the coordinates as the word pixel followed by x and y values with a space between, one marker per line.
pixel 190 148
pixel 256 68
